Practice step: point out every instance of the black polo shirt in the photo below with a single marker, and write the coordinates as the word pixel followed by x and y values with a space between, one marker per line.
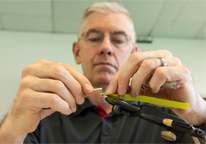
pixel 86 126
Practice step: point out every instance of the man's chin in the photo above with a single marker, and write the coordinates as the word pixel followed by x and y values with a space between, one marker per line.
pixel 102 80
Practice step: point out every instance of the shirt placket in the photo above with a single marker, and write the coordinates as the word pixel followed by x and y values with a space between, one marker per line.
pixel 106 133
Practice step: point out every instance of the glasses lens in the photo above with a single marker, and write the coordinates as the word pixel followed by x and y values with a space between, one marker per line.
pixel 93 38
pixel 119 40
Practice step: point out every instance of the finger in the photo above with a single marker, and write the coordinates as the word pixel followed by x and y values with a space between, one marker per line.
pixel 84 82
pixel 172 74
pixel 74 87
pixel 146 70
pixel 40 61
pixel 57 71
pixel 133 64
pixel 53 86
pixel 38 100
pixel 125 73
pixel 113 85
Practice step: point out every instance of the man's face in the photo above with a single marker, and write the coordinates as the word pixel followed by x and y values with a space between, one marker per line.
pixel 101 61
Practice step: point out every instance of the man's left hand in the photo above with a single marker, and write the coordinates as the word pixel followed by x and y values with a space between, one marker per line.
pixel 145 68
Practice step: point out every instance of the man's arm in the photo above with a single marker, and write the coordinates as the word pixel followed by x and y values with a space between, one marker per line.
pixel 9 134
pixel 1 122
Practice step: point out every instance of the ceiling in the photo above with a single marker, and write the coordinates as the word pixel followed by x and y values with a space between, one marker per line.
pixel 152 18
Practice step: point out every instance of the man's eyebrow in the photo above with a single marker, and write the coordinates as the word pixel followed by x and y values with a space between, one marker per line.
pixel 99 31
pixel 119 32
pixel 94 31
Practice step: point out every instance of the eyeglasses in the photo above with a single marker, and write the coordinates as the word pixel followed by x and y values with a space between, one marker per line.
pixel 95 37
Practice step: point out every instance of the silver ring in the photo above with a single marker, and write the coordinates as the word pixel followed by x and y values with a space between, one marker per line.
pixel 144 87
pixel 163 61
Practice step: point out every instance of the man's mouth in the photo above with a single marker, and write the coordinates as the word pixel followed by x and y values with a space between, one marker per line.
pixel 104 64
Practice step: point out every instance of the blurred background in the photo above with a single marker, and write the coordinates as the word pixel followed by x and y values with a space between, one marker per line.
pixel 46 29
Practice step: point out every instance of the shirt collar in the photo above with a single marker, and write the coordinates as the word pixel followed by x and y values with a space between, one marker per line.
pixel 85 105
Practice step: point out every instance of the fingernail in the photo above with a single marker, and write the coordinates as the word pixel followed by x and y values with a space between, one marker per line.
pixel 73 108
pixel 69 111
pixel 80 100
pixel 133 94
pixel 110 88
pixel 154 91
pixel 120 89
pixel 88 87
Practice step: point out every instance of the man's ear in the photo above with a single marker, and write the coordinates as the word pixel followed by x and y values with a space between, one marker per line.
pixel 135 48
pixel 76 50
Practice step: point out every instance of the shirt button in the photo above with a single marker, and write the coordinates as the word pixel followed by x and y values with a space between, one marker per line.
pixel 108 119
pixel 106 132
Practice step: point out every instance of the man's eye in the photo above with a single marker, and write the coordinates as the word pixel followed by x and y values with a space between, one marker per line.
pixel 117 41
pixel 94 39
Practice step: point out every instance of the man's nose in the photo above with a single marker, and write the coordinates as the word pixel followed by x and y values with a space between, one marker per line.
pixel 106 46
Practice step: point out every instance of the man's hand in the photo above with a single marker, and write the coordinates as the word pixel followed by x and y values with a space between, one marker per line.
pixel 45 85
pixel 146 69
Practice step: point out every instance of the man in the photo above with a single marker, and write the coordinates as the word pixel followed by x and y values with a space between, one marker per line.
pixel 109 58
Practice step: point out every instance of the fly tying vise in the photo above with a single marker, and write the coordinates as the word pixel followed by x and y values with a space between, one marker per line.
pixel 125 104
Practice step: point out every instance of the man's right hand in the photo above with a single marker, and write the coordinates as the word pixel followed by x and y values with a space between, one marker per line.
pixel 45 85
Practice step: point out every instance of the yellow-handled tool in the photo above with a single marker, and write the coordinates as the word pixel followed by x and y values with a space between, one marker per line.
pixel 147 99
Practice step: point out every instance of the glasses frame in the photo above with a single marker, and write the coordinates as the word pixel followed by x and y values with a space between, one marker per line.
pixel 98 31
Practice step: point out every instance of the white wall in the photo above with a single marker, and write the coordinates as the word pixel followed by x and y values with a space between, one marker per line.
pixel 18 49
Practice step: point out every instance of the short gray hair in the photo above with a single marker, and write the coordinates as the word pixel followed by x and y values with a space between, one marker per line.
pixel 105 7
